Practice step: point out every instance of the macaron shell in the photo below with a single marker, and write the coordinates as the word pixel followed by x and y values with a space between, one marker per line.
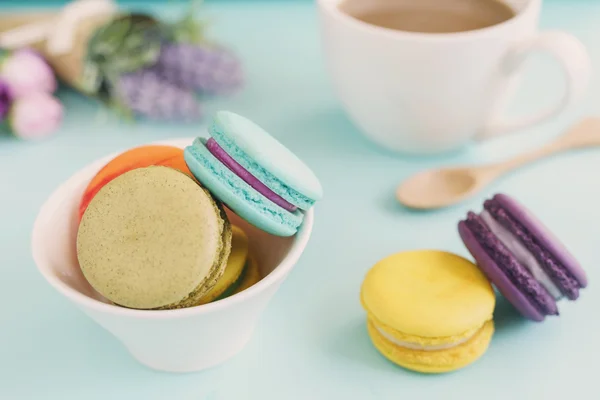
pixel 238 195
pixel 233 131
pixel 217 272
pixel 545 237
pixel 138 157
pixel 140 254
pixel 428 293
pixel 497 276
pixel 250 179
pixel 234 268
pixel 251 277
pixel 437 361
pixel 560 276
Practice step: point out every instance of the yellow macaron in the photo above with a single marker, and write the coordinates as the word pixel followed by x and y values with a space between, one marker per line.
pixel 429 311
pixel 235 266
pixel 251 276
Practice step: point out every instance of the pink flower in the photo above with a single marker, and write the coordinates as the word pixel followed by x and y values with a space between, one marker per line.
pixel 35 116
pixel 25 71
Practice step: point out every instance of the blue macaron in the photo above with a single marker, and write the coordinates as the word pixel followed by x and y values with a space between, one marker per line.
pixel 253 174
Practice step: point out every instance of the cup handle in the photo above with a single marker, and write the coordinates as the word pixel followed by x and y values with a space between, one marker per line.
pixel 576 65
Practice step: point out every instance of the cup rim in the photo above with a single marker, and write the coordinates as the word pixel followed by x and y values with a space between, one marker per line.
pixel 332 9
pixel 53 201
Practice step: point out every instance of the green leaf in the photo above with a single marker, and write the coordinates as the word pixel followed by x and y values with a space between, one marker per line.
pixel 125 44
pixel 109 38
pixel 4 55
pixel 189 29
pixel 120 109
pixel 91 79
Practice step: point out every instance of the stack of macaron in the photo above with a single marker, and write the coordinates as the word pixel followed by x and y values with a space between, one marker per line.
pixel 428 311
pixel 153 232
pixel 253 174
pixel 431 311
pixel 521 257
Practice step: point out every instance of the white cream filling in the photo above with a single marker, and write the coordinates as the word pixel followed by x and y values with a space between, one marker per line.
pixel 416 346
pixel 524 256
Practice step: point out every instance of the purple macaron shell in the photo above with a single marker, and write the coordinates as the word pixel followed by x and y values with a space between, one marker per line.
pixel 557 272
pixel 250 179
pixel 497 276
pixel 544 236
pixel 516 272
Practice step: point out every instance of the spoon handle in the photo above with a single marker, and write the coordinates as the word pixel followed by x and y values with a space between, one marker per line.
pixel 584 134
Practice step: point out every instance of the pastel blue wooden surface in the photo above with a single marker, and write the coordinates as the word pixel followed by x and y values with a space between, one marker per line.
pixel 311 342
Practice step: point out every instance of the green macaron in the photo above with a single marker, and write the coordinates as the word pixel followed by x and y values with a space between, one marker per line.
pixel 152 238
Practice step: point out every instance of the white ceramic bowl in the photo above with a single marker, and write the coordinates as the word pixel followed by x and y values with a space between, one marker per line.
pixel 185 340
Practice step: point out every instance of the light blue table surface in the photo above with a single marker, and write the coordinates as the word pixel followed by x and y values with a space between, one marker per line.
pixel 311 342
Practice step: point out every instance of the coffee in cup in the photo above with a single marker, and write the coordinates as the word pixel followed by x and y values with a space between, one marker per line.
pixel 431 16
pixel 429 76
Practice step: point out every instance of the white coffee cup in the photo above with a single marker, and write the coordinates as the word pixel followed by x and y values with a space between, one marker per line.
pixel 184 340
pixel 425 93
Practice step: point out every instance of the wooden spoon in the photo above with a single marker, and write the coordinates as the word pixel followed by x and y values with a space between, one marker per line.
pixel 447 186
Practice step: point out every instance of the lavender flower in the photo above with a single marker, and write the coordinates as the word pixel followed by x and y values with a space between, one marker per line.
pixel 211 70
pixel 145 92
pixel 5 99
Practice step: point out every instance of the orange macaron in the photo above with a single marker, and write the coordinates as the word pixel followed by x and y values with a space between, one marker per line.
pixel 139 157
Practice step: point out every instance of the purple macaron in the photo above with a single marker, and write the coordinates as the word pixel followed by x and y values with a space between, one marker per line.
pixel 527 264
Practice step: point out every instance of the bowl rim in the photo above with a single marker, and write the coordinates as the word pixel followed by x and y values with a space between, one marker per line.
pixel 54 200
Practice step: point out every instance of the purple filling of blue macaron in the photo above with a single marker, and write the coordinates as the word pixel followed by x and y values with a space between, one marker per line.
pixel 246 176
pixel 559 274
pixel 518 274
